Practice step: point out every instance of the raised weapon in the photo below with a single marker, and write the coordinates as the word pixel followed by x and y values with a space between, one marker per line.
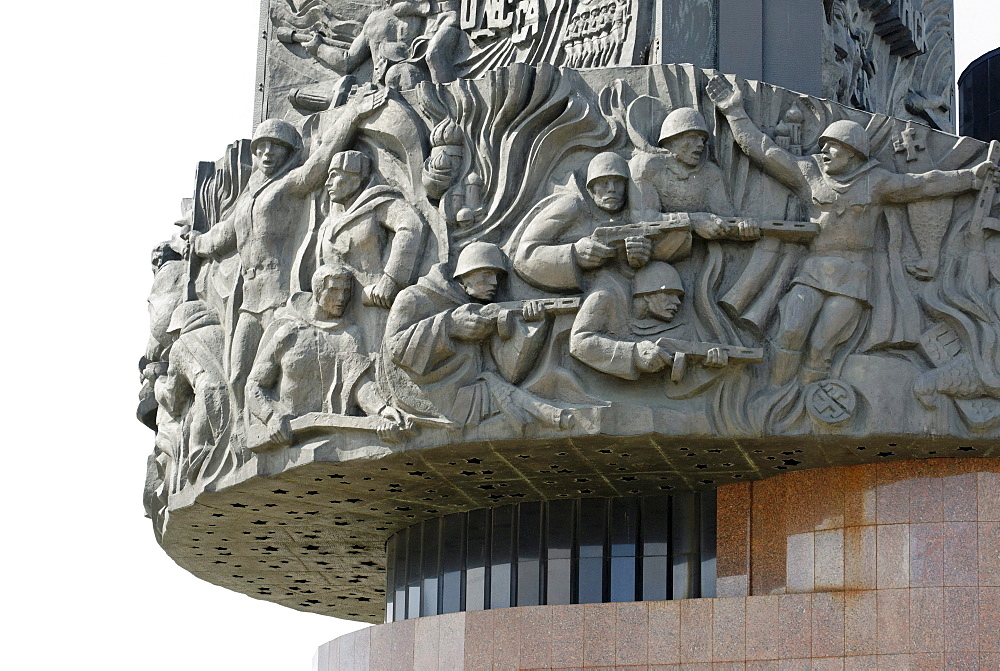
pixel 686 350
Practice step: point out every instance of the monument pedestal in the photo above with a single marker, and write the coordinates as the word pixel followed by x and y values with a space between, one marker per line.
pixel 888 565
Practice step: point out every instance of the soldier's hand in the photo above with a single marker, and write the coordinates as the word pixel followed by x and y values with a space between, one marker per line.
pixel 638 249
pixel 710 227
pixel 468 323
pixel 314 43
pixel 650 357
pixel 982 172
pixel 590 253
pixel 726 98
pixel 383 292
pixel 533 311
pixel 279 430
pixel 716 358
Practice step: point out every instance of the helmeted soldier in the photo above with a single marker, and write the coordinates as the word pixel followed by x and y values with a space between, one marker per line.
pixel 268 221
pixel 681 177
pixel 845 192
pixel 444 361
pixel 553 248
pixel 616 329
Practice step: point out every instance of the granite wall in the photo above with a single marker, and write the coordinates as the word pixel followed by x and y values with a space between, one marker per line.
pixel 892 565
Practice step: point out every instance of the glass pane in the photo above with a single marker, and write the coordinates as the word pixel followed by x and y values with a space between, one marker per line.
pixel 413 571
pixel 477 546
pixel 684 544
pixel 452 555
pixel 501 557
pixel 655 515
pixel 624 527
pixel 654 579
pixel 430 570
pixel 708 538
pixel 399 610
pixel 623 578
pixel 559 550
pixel 529 554
pixel 592 527
pixel 590 580
pixel 390 577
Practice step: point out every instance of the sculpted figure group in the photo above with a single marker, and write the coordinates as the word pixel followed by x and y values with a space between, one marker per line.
pixel 328 300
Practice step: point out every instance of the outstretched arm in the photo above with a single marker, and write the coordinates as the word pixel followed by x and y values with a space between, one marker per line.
pixel 906 188
pixel 762 150
pixel 313 173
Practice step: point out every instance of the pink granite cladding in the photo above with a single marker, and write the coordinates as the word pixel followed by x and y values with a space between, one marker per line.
pixel 911 628
pixel 888 566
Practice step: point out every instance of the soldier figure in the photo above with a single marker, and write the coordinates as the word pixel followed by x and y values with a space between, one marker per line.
pixel 196 394
pixel 617 327
pixel 681 178
pixel 370 228
pixel 845 191
pixel 263 226
pixel 312 359
pixel 555 246
pixel 444 362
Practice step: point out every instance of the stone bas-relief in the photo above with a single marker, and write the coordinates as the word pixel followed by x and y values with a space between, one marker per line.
pixel 891 56
pixel 545 255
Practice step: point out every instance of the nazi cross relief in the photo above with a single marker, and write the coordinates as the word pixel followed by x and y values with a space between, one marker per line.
pixel 543 252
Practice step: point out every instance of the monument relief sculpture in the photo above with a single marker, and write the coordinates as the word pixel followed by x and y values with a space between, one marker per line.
pixel 313 359
pixel 451 353
pixel 552 255
pixel 264 224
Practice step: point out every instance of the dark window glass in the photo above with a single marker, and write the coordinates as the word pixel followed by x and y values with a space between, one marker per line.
pixel 390 577
pixel 706 511
pixel 529 554
pixel 624 527
pixel 413 571
pixel 592 529
pixel 654 579
pixel 476 559
pixel 452 556
pixel 502 557
pixel 655 526
pixel 431 569
pixel 399 610
pixel 684 544
pixel 559 550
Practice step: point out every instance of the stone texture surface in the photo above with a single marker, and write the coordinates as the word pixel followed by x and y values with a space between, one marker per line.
pixel 925 603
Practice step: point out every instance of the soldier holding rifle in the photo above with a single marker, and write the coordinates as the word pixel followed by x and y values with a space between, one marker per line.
pixel 846 192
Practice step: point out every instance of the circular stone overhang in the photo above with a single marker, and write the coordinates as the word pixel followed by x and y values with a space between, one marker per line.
pixel 306 526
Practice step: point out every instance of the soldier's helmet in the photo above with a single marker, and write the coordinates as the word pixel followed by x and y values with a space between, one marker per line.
pixel 656 276
pixel 848 133
pixel 189 312
pixel 479 255
pixel 607 164
pixel 278 130
pixel 682 120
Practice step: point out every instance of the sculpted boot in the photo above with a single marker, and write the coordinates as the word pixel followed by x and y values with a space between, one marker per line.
pixel 784 366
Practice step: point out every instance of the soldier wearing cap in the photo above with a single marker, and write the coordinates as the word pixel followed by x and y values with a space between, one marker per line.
pixel 554 249
pixel 616 329
pixel 682 178
pixel 443 361
pixel 846 192
pixel 371 228
pixel 268 219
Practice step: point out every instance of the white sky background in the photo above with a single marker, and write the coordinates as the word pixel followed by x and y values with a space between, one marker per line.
pixel 109 106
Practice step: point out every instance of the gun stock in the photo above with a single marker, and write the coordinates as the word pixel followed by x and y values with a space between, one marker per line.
pixel 616 235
